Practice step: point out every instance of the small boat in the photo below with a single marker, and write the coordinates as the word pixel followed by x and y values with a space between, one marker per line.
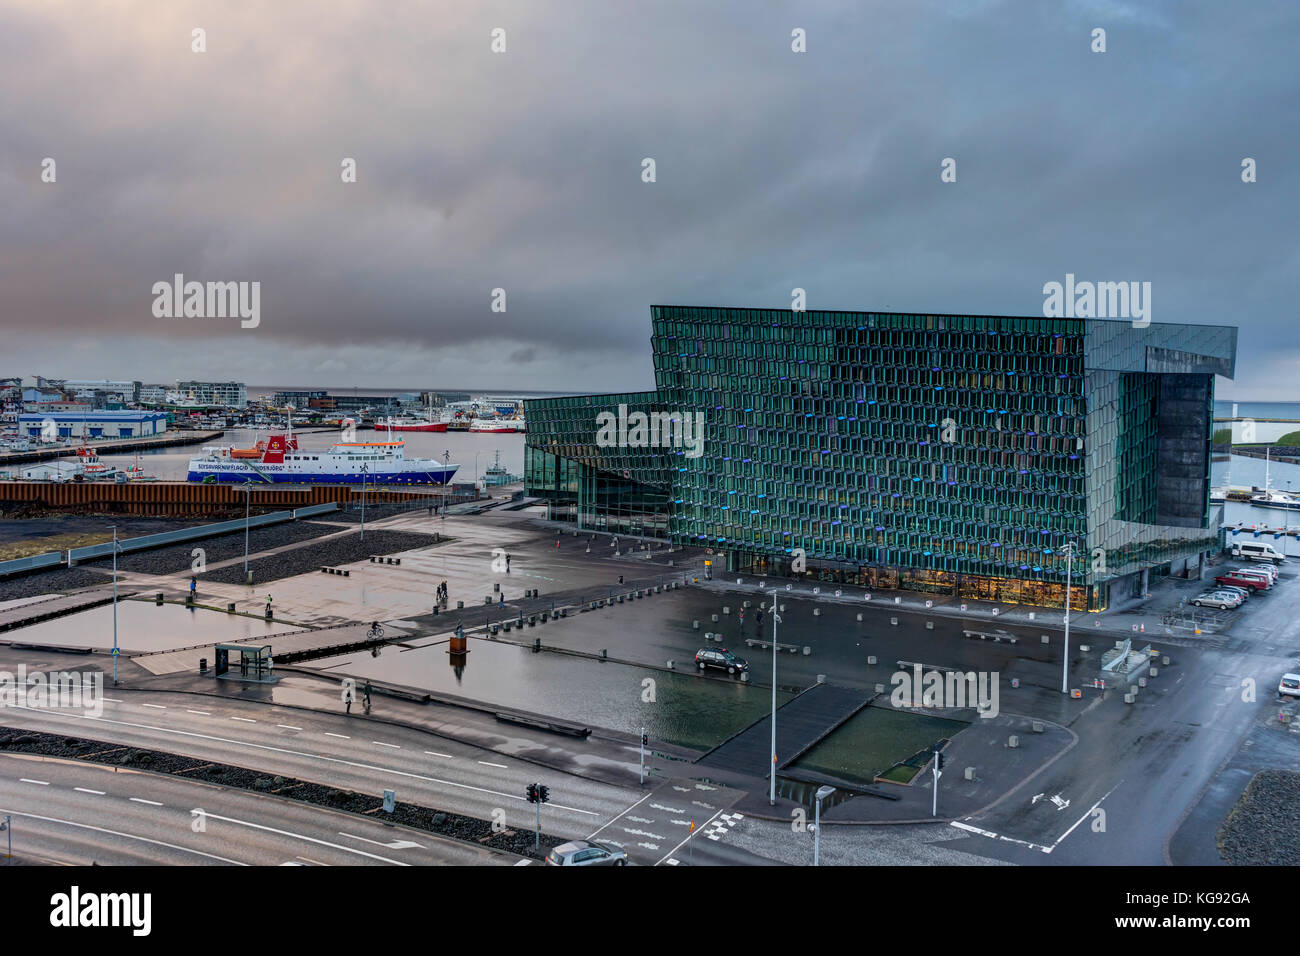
pixel 91 467
pixel 497 426
pixel 1269 498
pixel 409 425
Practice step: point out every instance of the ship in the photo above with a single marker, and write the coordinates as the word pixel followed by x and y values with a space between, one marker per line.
pixel 343 463
pixel 407 424
pixel 497 425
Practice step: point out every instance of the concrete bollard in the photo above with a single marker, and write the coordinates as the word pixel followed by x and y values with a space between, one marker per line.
pixel 880 688
pixel 347 572
pixel 1128 698
pixel 715 619
pixel 1142 682
pixel 968 773
pixel 1155 672
pixel 746 604
pixel 496 588
pixel 871 659
pixel 1083 648
pixel 435 610
pixel 726 609
pixel 893 620
pixel 230 608
pixel 460 605
pixel 1044 639
pixel 269 614
pixel 695 625
pixel 821 678
pixel 1013 741
pixel 929 625
pixel 817 612
pixel 670 665
pixel 744 677
pixel 159 598
pixel 859 617
pixel 1165 660
pixel 1038 726
pixel 537 644
pixel 487 599
pixel 806 650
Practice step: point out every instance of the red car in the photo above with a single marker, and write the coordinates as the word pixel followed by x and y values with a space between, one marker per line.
pixel 1251 584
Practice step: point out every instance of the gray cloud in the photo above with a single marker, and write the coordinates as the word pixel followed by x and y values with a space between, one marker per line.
pixel 522 171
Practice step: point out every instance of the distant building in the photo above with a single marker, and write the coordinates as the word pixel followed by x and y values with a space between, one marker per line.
pixel 226 394
pixel 94 388
pixel 152 395
pixel 298 399
pixel 92 424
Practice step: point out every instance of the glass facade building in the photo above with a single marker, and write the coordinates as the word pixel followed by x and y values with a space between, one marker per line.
pixel 947 453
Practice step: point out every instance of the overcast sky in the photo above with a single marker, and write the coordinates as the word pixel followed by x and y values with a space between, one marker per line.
pixel 522 170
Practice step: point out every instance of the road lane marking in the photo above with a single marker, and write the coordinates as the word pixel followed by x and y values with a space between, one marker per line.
pixel 43 783
pixel 303 836
pixel 288 727
pixel 394 845
pixel 204 713
pixel 152 803
pixel 615 819
pixel 524 863
pixel 296 753
pixel 341 736
pixel 98 793
pixel 688 839
pixel 499 766
pixel 247 720
pixel 119 833
pixel 154 706
pixel 380 743
pixel 433 753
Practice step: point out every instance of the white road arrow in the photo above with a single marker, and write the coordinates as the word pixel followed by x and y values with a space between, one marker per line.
pixel 395 845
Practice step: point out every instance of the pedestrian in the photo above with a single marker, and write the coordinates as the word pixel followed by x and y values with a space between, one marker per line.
pixel 557 544
pixel 507 564
pixel 365 691
pixel 503 599
pixel 194 586
pixel 758 618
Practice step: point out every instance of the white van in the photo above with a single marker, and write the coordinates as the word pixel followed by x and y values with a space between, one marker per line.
pixel 1257 551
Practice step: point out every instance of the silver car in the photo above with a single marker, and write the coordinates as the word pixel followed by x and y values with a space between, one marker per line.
pixel 586 853
pixel 1220 599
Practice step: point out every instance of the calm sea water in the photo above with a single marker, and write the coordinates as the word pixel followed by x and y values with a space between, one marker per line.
pixel 1261 411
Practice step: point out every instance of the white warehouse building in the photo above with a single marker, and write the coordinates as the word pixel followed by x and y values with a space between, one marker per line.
pixel 91 424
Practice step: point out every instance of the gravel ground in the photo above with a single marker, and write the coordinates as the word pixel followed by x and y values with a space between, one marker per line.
pixel 1263 829
pixel 930 845
pixel 178 558
pixel 335 552
pixel 454 825
pixel 58 581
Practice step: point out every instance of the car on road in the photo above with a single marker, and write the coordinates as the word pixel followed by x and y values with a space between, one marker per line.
pixel 586 853
pixel 1251 584
pixel 1289 685
pixel 720 658
pixel 1220 599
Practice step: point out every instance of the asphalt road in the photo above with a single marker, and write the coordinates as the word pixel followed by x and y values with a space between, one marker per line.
pixel 369 756
pixel 76 813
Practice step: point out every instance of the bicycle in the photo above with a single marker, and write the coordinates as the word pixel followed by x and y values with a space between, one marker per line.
pixel 375 632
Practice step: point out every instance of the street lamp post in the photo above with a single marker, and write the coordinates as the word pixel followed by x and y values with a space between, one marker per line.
pixel 771 794
pixel 248 504
pixel 1065 661
pixel 363 502
pixel 114 605
pixel 822 794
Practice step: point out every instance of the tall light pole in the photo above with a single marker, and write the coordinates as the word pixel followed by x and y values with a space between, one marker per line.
pixel 248 504
pixel 114 605
pixel 1065 661
pixel 363 502
pixel 771 795
pixel 822 794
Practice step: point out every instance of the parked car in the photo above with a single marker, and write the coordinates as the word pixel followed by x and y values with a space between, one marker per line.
pixel 720 658
pixel 1270 571
pixel 1240 592
pixel 1257 551
pixel 1251 584
pixel 586 853
pixel 1258 574
pixel 1289 686
pixel 1220 599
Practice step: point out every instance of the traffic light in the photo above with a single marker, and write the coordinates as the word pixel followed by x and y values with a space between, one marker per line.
pixel 544 794
pixel 532 793
pixel 645 740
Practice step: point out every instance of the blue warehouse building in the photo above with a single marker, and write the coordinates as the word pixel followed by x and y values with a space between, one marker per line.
pixel 92 425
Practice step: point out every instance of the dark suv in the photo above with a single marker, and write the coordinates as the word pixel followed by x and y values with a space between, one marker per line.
pixel 720 658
